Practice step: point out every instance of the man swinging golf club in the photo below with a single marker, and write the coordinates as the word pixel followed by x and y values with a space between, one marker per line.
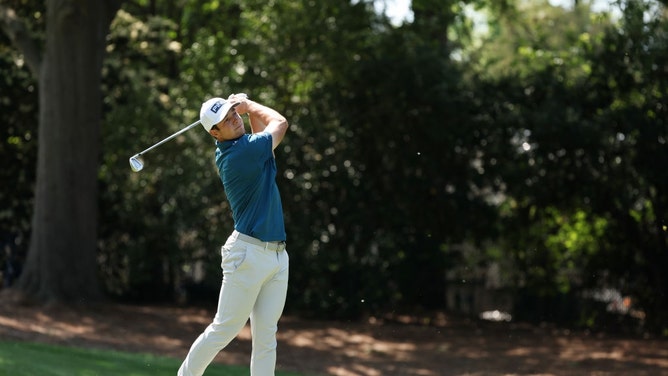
pixel 254 259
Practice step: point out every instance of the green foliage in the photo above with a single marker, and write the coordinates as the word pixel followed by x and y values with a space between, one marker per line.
pixel 632 104
pixel 153 220
pixel 534 36
pixel 396 152
pixel 18 113
pixel 583 147
pixel 555 250
pixel 18 139
pixel 535 145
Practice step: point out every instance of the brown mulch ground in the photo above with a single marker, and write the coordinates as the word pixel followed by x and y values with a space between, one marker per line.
pixel 370 348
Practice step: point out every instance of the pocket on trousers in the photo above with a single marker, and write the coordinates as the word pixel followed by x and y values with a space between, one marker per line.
pixel 233 257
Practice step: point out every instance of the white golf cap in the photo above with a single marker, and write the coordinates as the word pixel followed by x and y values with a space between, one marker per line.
pixel 213 111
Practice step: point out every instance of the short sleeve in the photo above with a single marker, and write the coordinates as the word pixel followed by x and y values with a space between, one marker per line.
pixel 260 146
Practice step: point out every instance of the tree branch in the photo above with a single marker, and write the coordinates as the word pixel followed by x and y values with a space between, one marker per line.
pixel 16 30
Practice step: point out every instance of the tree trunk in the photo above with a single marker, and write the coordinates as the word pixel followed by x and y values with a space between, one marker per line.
pixel 61 263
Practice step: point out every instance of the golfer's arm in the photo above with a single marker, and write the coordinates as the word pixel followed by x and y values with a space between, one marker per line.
pixel 265 119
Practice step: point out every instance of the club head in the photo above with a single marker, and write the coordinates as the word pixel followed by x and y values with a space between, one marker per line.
pixel 136 164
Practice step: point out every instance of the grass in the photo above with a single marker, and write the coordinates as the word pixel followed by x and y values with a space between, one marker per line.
pixel 32 359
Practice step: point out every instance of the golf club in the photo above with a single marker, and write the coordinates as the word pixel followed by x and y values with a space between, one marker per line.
pixel 137 165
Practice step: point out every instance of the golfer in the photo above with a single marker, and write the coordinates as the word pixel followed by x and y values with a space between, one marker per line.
pixel 254 259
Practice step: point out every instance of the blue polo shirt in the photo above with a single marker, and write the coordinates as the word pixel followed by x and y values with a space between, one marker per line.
pixel 248 170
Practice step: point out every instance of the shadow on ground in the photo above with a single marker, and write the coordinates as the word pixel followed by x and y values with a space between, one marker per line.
pixel 448 347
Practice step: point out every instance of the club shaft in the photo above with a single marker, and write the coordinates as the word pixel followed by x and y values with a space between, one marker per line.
pixel 170 137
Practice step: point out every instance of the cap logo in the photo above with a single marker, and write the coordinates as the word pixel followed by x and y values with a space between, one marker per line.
pixel 216 107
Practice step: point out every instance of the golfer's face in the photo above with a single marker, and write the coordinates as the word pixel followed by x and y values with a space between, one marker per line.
pixel 231 127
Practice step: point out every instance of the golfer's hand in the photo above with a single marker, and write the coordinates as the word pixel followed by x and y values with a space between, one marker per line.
pixel 242 99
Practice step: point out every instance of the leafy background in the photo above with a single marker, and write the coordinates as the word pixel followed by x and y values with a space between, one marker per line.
pixel 419 155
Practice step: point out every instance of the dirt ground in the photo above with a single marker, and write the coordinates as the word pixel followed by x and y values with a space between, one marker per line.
pixel 444 346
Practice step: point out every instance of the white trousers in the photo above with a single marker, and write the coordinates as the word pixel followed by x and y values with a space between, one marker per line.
pixel 255 284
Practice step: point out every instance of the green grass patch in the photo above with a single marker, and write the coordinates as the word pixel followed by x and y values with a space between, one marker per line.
pixel 32 359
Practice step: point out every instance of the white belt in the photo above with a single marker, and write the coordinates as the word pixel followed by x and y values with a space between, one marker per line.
pixel 277 246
